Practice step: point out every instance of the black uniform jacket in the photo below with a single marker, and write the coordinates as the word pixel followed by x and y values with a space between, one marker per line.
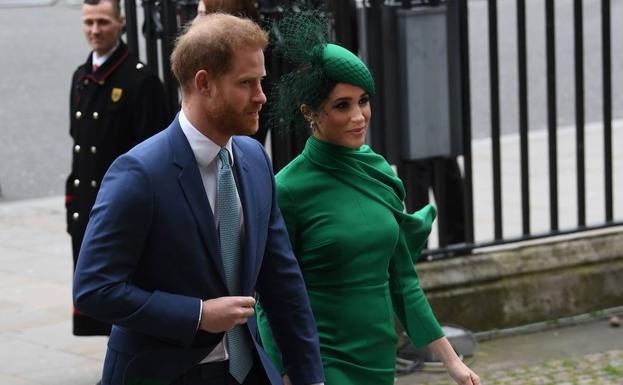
pixel 112 109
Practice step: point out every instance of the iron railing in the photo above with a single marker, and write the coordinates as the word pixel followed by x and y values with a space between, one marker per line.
pixel 379 24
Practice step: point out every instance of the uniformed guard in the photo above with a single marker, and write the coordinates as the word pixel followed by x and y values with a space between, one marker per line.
pixel 116 102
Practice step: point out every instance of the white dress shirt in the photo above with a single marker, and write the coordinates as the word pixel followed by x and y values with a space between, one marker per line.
pixel 206 154
pixel 98 61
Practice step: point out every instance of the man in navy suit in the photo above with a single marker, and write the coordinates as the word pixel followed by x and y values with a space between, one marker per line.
pixel 151 261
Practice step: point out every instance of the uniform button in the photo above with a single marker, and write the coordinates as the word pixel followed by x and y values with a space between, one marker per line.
pixel 93 149
pixel 93 184
pixel 76 182
pixel 78 114
pixel 77 148
pixel 86 81
pixel 96 115
pixel 75 216
pixel 139 66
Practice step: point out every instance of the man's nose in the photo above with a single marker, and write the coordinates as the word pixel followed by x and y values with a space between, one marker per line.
pixel 260 97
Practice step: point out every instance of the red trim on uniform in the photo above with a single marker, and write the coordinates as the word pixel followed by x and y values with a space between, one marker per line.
pixel 69 199
pixel 88 76
pixel 76 311
pixel 107 73
pixel 114 66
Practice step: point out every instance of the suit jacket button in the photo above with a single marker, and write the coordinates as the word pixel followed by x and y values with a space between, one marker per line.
pixel 77 148
pixel 76 182
pixel 75 216
pixel 78 114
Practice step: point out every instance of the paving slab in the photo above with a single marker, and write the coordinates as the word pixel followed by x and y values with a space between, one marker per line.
pixel 586 353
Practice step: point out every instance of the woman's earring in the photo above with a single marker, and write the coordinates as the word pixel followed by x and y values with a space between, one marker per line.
pixel 312 125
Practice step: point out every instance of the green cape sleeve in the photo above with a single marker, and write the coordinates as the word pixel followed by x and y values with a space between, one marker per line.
pixel 408 298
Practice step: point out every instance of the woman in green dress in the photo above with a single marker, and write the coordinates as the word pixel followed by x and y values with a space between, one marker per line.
pixel 343 206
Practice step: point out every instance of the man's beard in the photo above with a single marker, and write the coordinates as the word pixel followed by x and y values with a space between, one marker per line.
pixel 231 121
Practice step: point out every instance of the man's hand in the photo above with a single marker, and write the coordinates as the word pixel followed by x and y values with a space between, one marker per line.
pixel 223 313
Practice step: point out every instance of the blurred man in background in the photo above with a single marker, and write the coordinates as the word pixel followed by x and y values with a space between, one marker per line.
pixel 115 103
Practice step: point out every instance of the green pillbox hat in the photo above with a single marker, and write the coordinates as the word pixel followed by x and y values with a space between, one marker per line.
pixel 301 38
pixel 344 66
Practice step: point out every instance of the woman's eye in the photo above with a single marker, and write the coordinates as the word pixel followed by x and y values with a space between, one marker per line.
pixel 363 101
pixel 342 106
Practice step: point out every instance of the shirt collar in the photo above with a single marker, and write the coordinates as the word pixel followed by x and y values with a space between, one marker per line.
pixel 204 149
pixel 100 60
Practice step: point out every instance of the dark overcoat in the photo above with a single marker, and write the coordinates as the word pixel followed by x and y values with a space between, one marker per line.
pixel 111 110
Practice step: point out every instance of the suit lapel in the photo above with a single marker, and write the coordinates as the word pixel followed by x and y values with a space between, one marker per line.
pixel 189 179
pixel 249 209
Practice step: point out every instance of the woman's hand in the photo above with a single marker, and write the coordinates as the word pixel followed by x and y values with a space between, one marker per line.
pixel 462 375
pixel 459 372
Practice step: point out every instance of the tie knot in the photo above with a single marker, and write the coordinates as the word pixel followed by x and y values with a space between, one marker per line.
pixel 224 157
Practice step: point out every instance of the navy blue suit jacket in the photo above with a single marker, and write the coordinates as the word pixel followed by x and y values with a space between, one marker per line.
pixel 150 255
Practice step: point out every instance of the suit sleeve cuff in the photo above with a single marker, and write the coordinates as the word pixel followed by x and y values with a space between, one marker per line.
pixel 200 311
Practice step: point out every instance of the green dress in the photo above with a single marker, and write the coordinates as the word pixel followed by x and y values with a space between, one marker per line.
pixel 356 248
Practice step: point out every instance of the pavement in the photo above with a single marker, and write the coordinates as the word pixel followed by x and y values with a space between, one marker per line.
pixel 36 344
pixel 37 347
pixel 586 353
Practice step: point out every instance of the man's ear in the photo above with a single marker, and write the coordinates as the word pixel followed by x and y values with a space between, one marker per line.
pixel 203 82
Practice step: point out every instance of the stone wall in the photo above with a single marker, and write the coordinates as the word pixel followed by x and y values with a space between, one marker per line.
pixel 528 282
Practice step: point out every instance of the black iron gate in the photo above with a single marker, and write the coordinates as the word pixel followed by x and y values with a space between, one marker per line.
pixel 383 27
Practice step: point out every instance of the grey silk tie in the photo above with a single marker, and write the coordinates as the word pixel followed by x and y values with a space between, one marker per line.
pixel 240 359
